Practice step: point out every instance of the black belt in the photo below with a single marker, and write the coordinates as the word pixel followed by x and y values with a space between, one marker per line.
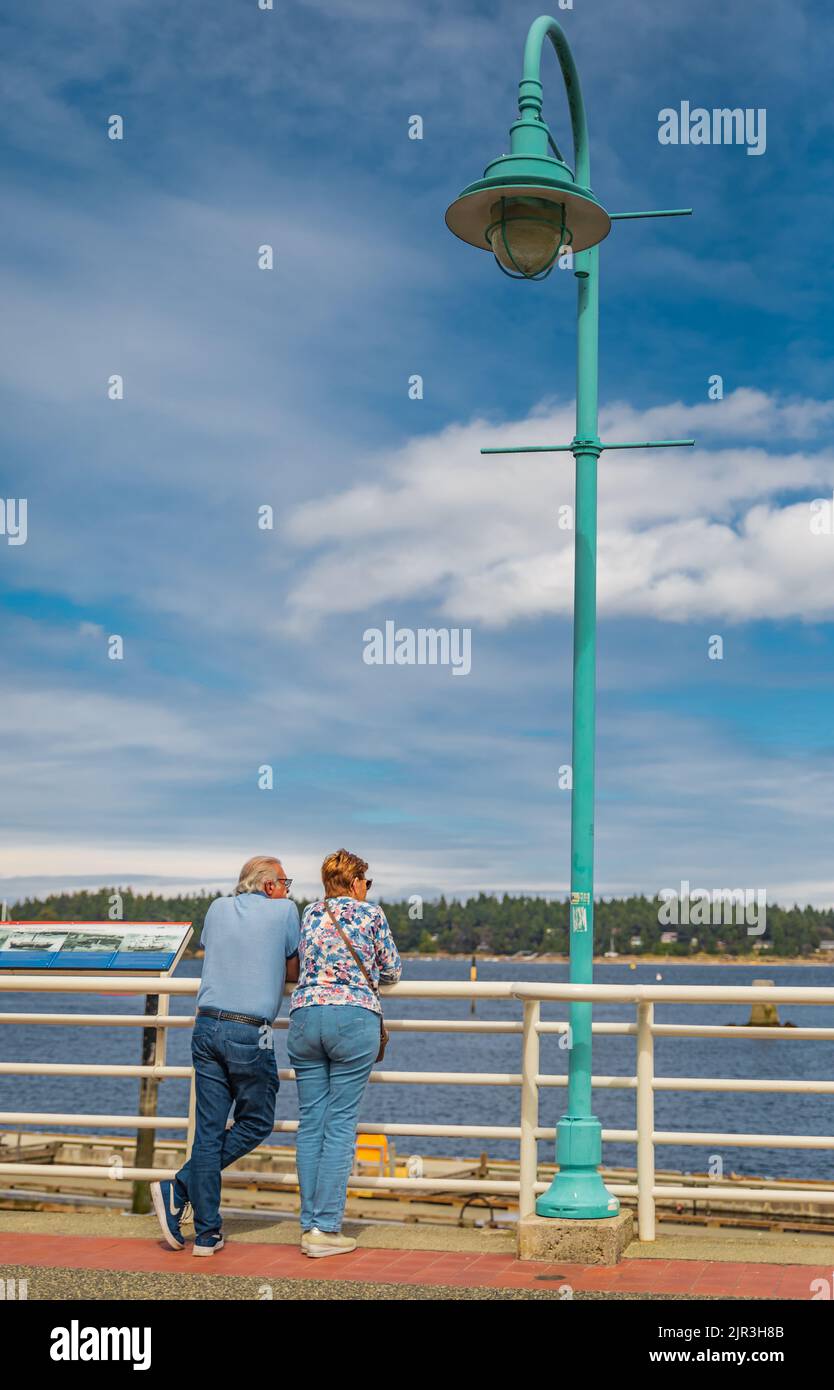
pixel 233 1018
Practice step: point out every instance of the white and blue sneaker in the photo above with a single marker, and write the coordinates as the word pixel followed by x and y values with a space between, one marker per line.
pixel 208 1244
pixel 169 1213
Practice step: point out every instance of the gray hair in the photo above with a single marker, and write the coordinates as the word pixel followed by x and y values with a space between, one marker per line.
pixel 255 873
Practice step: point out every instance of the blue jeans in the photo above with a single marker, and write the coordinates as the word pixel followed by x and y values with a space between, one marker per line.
pixel 332 1048
pixel 230 1065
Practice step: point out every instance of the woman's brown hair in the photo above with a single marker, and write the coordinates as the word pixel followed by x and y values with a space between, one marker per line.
pixel 339 871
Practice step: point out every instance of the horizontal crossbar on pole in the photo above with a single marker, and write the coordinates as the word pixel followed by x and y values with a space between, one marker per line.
pixel 654 444
pixel 576 447
pixel 532 449
pixel 661 212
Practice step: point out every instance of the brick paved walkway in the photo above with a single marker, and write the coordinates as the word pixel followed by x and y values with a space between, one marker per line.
pixel 678 1278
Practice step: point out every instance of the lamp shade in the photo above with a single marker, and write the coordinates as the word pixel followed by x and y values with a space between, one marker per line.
pixel 522 176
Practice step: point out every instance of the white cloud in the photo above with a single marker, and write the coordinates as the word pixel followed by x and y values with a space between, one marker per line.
pixel 704 533
pixel 93 724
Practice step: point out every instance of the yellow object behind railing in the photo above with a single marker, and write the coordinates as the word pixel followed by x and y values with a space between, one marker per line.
pixel 372 1148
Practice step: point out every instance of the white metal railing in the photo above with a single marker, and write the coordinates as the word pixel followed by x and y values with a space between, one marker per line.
pixel 529 1080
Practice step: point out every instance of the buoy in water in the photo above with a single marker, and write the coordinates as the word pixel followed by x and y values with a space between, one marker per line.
pixel 763 1015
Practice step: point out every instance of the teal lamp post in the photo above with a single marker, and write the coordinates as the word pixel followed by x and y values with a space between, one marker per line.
pixel 528 209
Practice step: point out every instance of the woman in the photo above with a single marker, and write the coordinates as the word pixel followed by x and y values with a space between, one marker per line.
pixel 334 1038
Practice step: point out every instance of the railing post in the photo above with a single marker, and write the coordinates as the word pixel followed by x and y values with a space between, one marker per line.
pixel 163 1010
pixel 529 1149
pixel 148 1091
pixel 192 1116
pixel 645 1121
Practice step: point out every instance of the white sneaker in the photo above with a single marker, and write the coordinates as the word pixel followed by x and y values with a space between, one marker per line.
pixel 319 1244
pixel 208 1245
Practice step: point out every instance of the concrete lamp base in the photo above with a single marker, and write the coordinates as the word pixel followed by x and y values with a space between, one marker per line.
pixel 599 1242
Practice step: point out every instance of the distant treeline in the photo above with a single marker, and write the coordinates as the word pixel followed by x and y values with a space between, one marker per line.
pixel 500 926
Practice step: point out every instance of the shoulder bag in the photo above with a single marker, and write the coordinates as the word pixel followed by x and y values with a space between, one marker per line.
pixel 384 1035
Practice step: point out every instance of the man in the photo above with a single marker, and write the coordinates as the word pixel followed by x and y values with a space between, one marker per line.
pixel 251 945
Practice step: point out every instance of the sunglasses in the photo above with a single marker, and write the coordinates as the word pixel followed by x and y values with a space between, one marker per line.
pixel 287 882
pixel 369 883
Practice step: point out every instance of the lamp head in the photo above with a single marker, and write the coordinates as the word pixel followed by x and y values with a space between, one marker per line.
pixel 529 204
pixel 527 209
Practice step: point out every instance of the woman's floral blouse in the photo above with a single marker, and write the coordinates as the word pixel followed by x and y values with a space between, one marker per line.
pixel 328 974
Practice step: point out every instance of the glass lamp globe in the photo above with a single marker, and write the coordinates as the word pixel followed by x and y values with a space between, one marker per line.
pixel 526 235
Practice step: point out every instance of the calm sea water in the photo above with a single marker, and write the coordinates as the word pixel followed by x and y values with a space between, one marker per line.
pixel 776 1057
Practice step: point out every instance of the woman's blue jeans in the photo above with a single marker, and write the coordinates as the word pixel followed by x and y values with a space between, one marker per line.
pixel 332 1048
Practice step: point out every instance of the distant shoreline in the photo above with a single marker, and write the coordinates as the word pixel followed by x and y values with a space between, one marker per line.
pixel 544 959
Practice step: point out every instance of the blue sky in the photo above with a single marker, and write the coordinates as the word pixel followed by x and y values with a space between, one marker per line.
pixel 289 388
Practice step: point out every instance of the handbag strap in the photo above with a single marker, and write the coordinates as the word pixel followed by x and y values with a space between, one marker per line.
pixel 353 951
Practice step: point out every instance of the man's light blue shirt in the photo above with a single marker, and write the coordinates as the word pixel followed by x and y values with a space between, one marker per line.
pixel 247 940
